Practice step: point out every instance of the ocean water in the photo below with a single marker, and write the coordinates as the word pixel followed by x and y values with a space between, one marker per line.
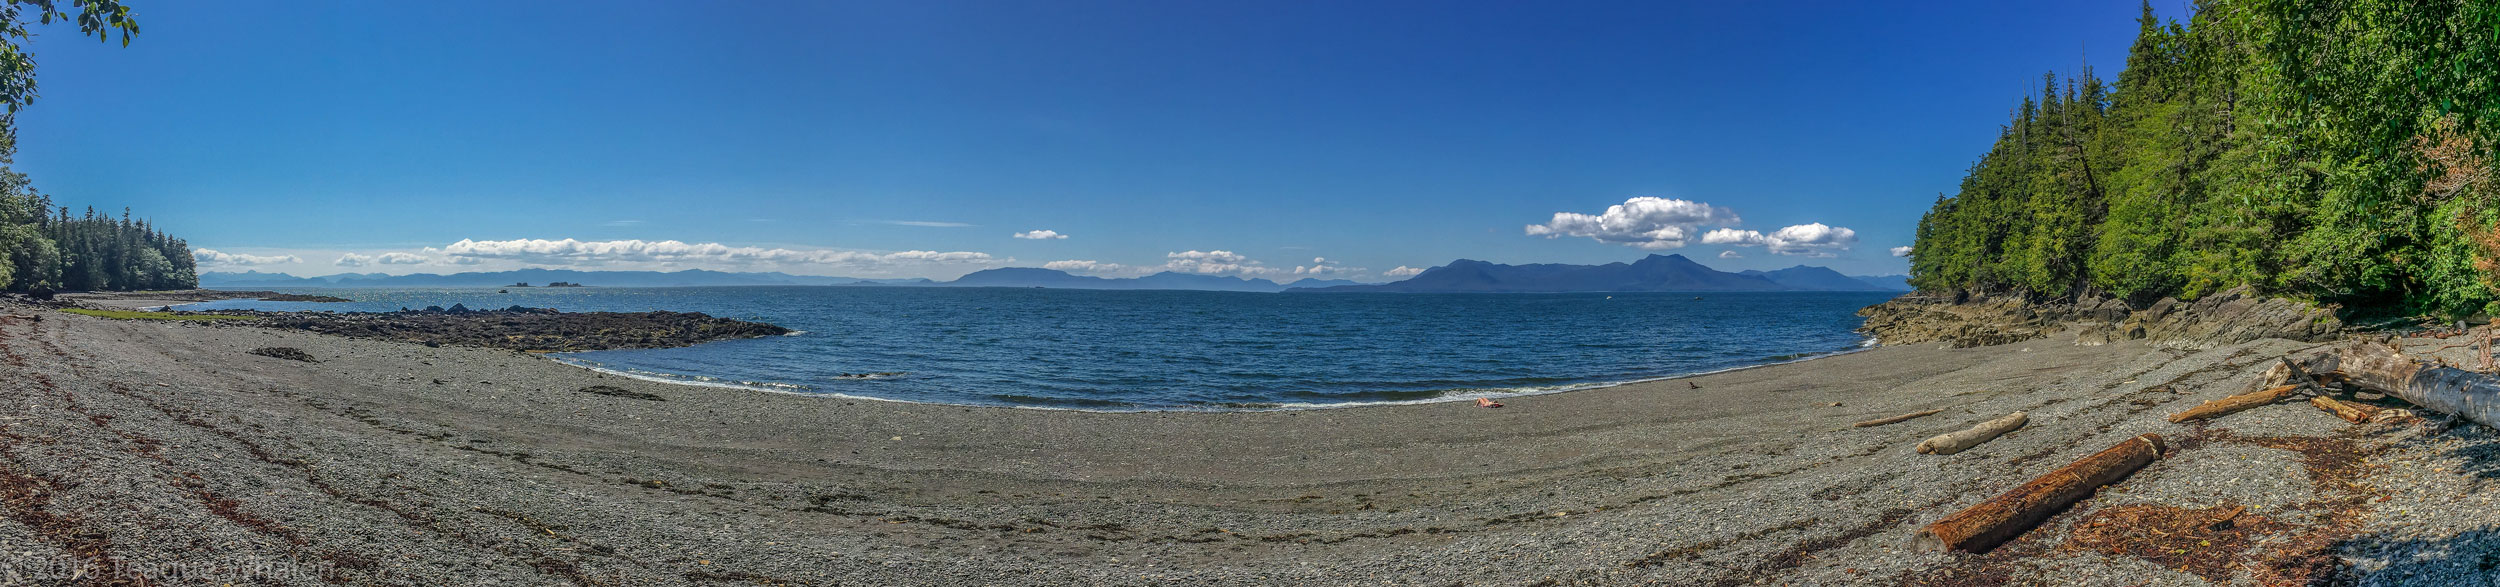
pixel 1183 350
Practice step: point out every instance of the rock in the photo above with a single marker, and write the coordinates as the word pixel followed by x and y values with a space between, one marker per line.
pixel 1966 320
pixel 524 329
pixel 288 353
pixel 614 391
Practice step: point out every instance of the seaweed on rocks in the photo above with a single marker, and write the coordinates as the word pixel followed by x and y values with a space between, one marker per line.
pixel 523 329
pixel 288 353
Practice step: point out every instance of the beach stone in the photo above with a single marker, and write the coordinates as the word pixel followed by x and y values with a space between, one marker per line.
pixel 1964 319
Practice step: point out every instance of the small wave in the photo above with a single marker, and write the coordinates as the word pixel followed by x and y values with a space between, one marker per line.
pixel 696 380
pixel 1112 406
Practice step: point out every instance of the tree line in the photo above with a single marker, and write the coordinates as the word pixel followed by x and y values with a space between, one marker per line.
pixel 43 248
pixel 2340 151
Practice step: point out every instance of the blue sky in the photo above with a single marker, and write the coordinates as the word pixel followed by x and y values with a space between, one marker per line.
pixel 918 138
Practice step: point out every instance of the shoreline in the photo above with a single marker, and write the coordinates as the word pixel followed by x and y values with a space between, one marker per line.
pixel 680 379
pixel 1867 342
pixel 398 463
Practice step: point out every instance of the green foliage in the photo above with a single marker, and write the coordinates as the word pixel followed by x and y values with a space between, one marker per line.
pixel 44 248
pixel 138 315
pixel 2333 150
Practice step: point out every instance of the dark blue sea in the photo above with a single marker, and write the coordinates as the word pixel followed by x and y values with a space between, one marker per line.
pixel 1183 350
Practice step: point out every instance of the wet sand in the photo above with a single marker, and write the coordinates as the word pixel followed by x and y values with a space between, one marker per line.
pixel 137 443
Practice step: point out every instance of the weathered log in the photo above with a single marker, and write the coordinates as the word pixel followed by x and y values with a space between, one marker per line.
pixel 2350 412
pixel 2319 364
pixel 2294 374
pixel 2225 406
pixel 1953 442
pixel 2003 517
pixel 1898 419
pixel 2457 392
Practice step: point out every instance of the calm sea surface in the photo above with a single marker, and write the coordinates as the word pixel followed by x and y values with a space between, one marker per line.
pixel 1159 350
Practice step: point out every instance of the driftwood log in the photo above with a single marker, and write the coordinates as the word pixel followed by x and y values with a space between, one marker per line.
pixel 1958 441
pixel 2003 517
pixel 1898 419
pixel 2350 412
pixel 2225 406
pixel 2458 392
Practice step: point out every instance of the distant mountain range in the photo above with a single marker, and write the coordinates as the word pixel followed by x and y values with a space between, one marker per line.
pixel 1654 273
pixel 690 277
pixel 1036 277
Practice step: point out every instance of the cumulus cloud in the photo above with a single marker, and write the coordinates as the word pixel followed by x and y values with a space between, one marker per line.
pixel 356 260
pixel 1645 222
pixel 595 253
pixel 1084 266
pixel 1402 271
pixel 1900 251
pixel 1321 267
pixel 1215 263
pixel 1730 255
pixel 1040 235
pixel 1812 239
pixel 214 257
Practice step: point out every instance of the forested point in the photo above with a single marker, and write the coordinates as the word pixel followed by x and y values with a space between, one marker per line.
pixel 43 248
pixel 2332 151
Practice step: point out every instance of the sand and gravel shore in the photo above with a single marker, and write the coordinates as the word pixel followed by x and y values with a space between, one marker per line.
pixel 170 450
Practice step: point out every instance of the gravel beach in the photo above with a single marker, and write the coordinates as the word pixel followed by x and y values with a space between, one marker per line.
pixel 170 450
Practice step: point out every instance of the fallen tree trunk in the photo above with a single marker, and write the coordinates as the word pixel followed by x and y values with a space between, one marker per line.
pixel 2350 412
pixel 2003 517
pixel 2458 392
pixel 2225 406
pixel 1896 419
pixel 1959 441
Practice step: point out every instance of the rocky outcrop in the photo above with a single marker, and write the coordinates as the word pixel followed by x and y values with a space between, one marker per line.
pixel 519 328
pixel 1965 320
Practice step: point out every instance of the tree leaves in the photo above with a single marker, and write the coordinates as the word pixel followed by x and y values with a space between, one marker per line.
pixel 2276 143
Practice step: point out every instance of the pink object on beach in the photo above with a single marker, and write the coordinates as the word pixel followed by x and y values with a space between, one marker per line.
pixel 1487 403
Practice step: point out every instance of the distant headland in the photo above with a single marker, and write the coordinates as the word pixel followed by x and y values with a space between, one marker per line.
pixel 1651 274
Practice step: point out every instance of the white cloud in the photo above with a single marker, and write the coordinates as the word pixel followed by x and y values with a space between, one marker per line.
pixel 1083 266
pixel 927 223
pixel 569 252
pixel 1812 239
pixel 213 258
pixel 1645 222
pixel 356 260
pixel 1321 266
pixel 1040 235
pixel 1900 251
pixel 1216 263
pixel 1402 271
pixel 1730 255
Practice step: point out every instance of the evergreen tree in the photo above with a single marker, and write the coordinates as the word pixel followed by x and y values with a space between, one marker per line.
pixel 2334 150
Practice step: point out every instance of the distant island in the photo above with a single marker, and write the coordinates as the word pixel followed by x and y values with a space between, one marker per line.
pixel 1654 273
pixel 686 278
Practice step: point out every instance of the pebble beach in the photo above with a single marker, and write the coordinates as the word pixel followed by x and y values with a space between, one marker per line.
pixel 170 450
